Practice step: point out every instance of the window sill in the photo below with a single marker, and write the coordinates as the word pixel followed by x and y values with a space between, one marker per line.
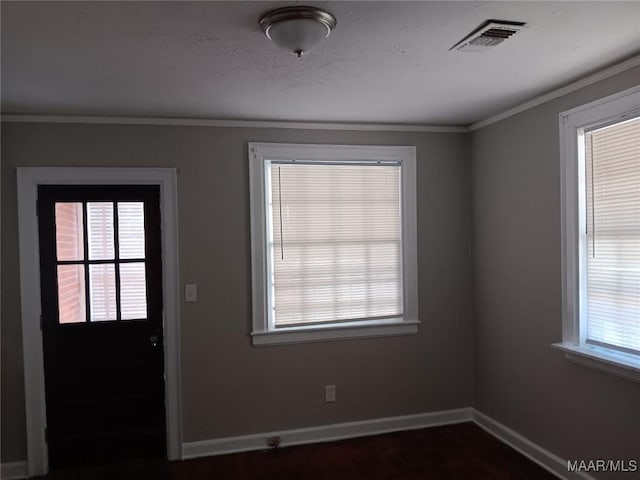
pixel 611 361
pixel 334 332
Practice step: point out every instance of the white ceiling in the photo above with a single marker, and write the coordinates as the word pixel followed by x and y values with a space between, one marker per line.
pixel 386 62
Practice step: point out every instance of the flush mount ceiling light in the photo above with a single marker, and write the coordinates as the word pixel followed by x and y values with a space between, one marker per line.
pixel 299 28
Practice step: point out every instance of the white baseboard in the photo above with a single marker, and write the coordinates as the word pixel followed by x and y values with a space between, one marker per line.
pixel 526 447
pixel 340 431
pixel 325 433
pixel 13 470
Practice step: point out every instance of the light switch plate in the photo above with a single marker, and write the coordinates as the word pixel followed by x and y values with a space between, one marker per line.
pixel 329 393
pixel 191 292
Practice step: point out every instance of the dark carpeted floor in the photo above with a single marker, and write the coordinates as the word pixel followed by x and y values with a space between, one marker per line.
pixel 462 451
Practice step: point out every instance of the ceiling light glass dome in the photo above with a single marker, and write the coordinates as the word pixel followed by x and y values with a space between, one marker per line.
pixel 297 29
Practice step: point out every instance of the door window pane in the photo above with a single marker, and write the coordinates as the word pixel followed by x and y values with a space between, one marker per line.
pixel 131 229
pixel 71 294
pixel 100 230
pixel 133 291
pixel 69 232
pixel 102 292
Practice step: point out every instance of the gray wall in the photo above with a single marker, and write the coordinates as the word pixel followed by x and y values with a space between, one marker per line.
pixel 573 411
pixel 230 387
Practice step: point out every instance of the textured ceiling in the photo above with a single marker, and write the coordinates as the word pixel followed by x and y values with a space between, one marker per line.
pixel 386 61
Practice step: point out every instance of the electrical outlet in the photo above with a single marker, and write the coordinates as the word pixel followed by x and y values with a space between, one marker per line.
pixel 273 442
pixel 329 393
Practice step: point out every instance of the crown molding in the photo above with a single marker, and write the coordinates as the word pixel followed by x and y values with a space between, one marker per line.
pixel 559 92
pixel 196 122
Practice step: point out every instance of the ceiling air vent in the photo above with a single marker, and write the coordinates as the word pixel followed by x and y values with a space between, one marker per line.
pixel 488 35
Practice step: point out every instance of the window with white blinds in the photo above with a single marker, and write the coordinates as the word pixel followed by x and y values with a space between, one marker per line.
pixel 333 242
pixel 612 250
pixel 336 242
pixel 600 195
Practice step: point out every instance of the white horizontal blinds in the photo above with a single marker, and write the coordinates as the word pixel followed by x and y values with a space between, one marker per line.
pixel 100 230
pixel 613 235
pixel 133 291
pixel 131 230
pixel 133 284
pixel 336 243
pixel 132 287
pixel 102 292
pixel 102 280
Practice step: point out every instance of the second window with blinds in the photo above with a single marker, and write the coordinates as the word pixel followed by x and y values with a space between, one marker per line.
pixel 333 242
pixel 601 233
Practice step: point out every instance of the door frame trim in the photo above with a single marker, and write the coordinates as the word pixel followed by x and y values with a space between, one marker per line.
pixel 29 178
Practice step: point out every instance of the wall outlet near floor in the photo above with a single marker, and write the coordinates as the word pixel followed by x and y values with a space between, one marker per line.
pixel 273 442
pixel 329 393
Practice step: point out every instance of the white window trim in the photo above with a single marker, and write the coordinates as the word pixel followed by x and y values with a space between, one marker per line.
pixel 408 324
pixel 619 106
pixel 35 403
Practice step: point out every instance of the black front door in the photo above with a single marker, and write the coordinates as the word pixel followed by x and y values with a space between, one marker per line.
pixel 101 284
